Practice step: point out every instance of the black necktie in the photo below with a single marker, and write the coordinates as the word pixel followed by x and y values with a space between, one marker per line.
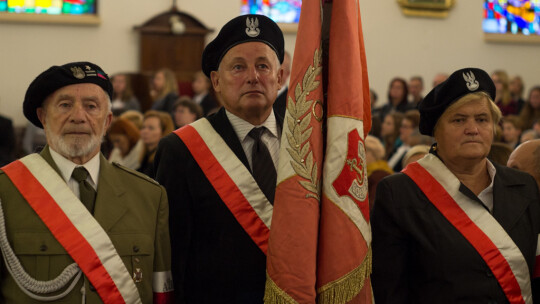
pixel 264 171
pixel 87 192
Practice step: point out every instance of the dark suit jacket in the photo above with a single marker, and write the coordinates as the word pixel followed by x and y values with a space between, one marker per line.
pixel 419 257
pixel 280 105
pixel 214 259
pixel 7 141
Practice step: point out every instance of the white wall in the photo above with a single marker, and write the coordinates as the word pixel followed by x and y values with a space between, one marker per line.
pixel 395 45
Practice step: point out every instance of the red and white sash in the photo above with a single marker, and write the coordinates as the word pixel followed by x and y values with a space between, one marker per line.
pixel 231 180
pixel 74 227
pixel 476 224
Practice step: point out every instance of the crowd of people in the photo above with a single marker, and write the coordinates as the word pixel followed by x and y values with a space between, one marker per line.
pixel 452 220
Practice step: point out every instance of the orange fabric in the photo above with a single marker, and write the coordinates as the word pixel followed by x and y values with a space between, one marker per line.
pixel 342 247
pixel 459 219
pixel 64 231
pixel 225 187
pixel 292 252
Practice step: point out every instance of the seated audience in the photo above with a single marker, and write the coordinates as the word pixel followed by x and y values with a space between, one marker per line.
pixel 439 78
pixel 527 135
pixel 408 125
pixel 531 110
pixel 503 98
pixel 416 86
pixel 397 97
pixel 390 133
pixel 186 111
pixel 376 121
pixel 156 124
pixel 511 128
pixel 204 93
pixel 164 90
pixel 377 167
pixel 415 153
pixel 135 117
pixel 128 149
pixel 516 88
pixel 123 98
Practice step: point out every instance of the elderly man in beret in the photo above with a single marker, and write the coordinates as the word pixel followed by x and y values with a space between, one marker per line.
pixel 220 173
pixel 74 228
pixel 454 227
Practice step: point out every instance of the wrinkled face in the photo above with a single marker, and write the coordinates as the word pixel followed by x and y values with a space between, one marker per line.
pixel 465 133
pixel 387 127
pixel 119 83
pixel 200 85
pixel 159 81
pixel 182 116
pixel 405 130
pixel 75 119
pixel 151 131
pixel 248 80
pixel 523 159
pixel 510 133
pixel 121 142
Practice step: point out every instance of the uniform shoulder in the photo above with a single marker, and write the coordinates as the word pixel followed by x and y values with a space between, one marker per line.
pixel 135 173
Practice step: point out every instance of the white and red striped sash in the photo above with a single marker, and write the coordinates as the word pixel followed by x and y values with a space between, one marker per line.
pixel 476 224
pixel 231 179
pixel 74 227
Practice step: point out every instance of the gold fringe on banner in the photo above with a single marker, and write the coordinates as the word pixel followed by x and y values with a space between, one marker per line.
pixel 275 295
pixel 347 287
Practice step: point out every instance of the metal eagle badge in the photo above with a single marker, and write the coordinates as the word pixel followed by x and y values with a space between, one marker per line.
pixel 470 79
pixel 77 72
pixel 352 181
pixel 252 29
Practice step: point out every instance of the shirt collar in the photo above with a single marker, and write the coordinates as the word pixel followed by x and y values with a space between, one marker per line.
pixel 66 166
pixel 242 127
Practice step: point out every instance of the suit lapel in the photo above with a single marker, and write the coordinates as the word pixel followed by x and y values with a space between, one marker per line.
pixel 110 200
pixel 223 127
pixel 509 204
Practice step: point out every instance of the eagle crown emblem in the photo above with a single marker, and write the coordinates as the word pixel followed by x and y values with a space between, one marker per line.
pixel 472 83
pixel 77 72
pixel 252 29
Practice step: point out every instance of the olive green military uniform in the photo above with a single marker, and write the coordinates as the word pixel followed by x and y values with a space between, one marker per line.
pixel 131 208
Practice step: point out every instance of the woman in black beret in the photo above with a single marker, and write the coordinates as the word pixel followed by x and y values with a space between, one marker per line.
pixel 454 227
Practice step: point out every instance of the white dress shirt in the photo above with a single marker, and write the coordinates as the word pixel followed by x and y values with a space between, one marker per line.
pixel 66 168
pixel 270 137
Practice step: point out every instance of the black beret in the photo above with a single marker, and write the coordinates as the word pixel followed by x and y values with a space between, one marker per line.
pixel 57 77
pixel 245 28
pixel 459 84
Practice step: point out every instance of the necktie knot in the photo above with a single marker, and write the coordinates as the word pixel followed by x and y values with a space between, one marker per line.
pixel 256 133
pixel 80 174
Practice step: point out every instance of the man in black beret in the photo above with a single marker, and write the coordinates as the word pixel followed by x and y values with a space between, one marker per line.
pixel 455 227
pixel 220 173
pixel 78 227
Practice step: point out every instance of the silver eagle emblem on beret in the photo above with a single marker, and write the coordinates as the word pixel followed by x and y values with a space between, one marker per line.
pixel 472 83
pixel 77 72
pixel 252 29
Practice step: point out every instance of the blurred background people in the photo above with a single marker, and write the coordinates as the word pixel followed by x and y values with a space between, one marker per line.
pixel 397 97
pixel 34 139
pixel 376 119
pixel 503 98
pixel 377 167
pixel 156 124
pixel 390 132
pixel 409 125
pixel 186 111
pixel 128 148
pixel 531 110
pixel 204 93
pixel 527 135
pixel 123 98
pixel 439 78
pixel 135 117
pixel 499 153
pixel 416 86
pixel 517 87
pixel 526 158
pixel 511 129
pixel 415 153
pixel 164 90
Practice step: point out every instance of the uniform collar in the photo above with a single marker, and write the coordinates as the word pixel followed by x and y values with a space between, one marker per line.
pixel 66 166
